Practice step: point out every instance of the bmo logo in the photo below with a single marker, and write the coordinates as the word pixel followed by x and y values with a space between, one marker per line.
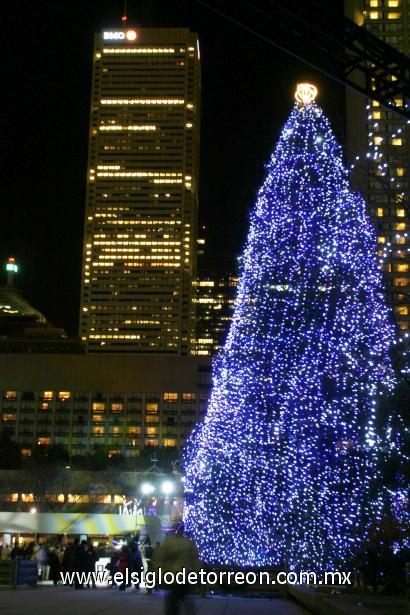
pixel 129 35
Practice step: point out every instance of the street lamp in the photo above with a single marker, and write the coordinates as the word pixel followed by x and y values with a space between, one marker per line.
pixel 167 487
pixel 147 488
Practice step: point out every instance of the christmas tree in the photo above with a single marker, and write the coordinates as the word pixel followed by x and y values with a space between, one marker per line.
pixel 279 471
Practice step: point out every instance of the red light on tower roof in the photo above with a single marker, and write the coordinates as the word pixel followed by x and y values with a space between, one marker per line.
pixel 124 18
pixel 11 259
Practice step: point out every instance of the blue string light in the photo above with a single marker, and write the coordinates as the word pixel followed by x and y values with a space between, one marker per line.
pixel 279 471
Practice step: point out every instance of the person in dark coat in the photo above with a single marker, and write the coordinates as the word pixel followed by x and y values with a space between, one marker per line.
pixel 69 556
pixel 112 566
pixel 55 567
pixel 148 553
pixel 92 558
pixel 81 562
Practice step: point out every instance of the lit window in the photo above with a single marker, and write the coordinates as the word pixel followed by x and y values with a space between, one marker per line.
pixel 401 281
pixel 45 405
pixel 189 396
pixel 393 3
pixel 10 395
pixel 170 396
pixel 98 430
pixel 98 406
pixel 376 115
pixel 48 395
pixel 27 497
pixel 402 310
pixel 380 212
pixel 151 431
pixel 400 171
pixel 393 15
pixel 153 418
pixel 133 430
pixel 402 267
pixel 116 408
pixel 151 442
pixel 9 417
pixel 150 407
pixel 170 442
pixel 374 4
pixel 378 140
pixel 400 213
pixel 374 15
pixel 376 103
pixel 63 395
pixel 400 226
pixel 26 452
pixel 400 240
pixel 381 240
pixel 43 441
pixel 397 141
pixel 97 418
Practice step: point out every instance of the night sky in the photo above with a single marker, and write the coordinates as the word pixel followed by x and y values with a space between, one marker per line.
pixel 247 94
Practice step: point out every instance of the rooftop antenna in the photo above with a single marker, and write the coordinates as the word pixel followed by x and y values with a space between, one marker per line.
pixel 124 17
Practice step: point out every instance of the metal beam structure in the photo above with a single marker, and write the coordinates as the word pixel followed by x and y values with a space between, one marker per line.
pixel 328 42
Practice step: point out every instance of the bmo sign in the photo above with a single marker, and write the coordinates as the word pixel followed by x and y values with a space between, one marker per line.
pixel 129 35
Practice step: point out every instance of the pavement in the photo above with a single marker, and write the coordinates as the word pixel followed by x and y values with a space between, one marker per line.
pixel 44 600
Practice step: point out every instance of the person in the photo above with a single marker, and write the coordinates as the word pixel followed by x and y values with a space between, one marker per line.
pixel 5 552
pixel 92 558
pixel 55 566
pixel 16 552
pixel 137 563
pixel 29 550
pixel 124 564
pixel 148 553
pixel 81 562
pixel 42 561
pixel 112 565
pixel 68 563
pixel 176 553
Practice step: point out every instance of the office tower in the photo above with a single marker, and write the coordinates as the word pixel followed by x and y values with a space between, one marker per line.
pixel 139 258
pixel 378 143
pixel 215 292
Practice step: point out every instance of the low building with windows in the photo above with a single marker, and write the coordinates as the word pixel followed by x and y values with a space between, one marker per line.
pixel 118 402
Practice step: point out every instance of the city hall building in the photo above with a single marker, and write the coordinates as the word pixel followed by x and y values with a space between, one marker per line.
pixel 86 402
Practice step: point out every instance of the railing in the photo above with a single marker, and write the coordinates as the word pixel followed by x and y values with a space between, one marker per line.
pixel 18 572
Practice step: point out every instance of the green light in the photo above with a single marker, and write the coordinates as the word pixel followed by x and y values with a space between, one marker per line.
pixel 12 267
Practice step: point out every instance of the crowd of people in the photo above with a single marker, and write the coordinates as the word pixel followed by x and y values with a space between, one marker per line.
pixel 80 556
pixel 52 559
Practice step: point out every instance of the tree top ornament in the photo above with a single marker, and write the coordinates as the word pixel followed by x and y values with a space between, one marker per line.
pixel 305 93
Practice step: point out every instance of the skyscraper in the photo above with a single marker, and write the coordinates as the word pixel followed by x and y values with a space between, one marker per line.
pixel 215 287
pixel 378 143
pixel 139 257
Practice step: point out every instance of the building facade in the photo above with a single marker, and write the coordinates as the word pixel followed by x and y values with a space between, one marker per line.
pixel 90 402
pixel 139 257
pixel 379 147
pixel 215 292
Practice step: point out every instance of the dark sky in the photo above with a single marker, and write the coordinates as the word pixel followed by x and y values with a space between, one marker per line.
pixel 247 94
